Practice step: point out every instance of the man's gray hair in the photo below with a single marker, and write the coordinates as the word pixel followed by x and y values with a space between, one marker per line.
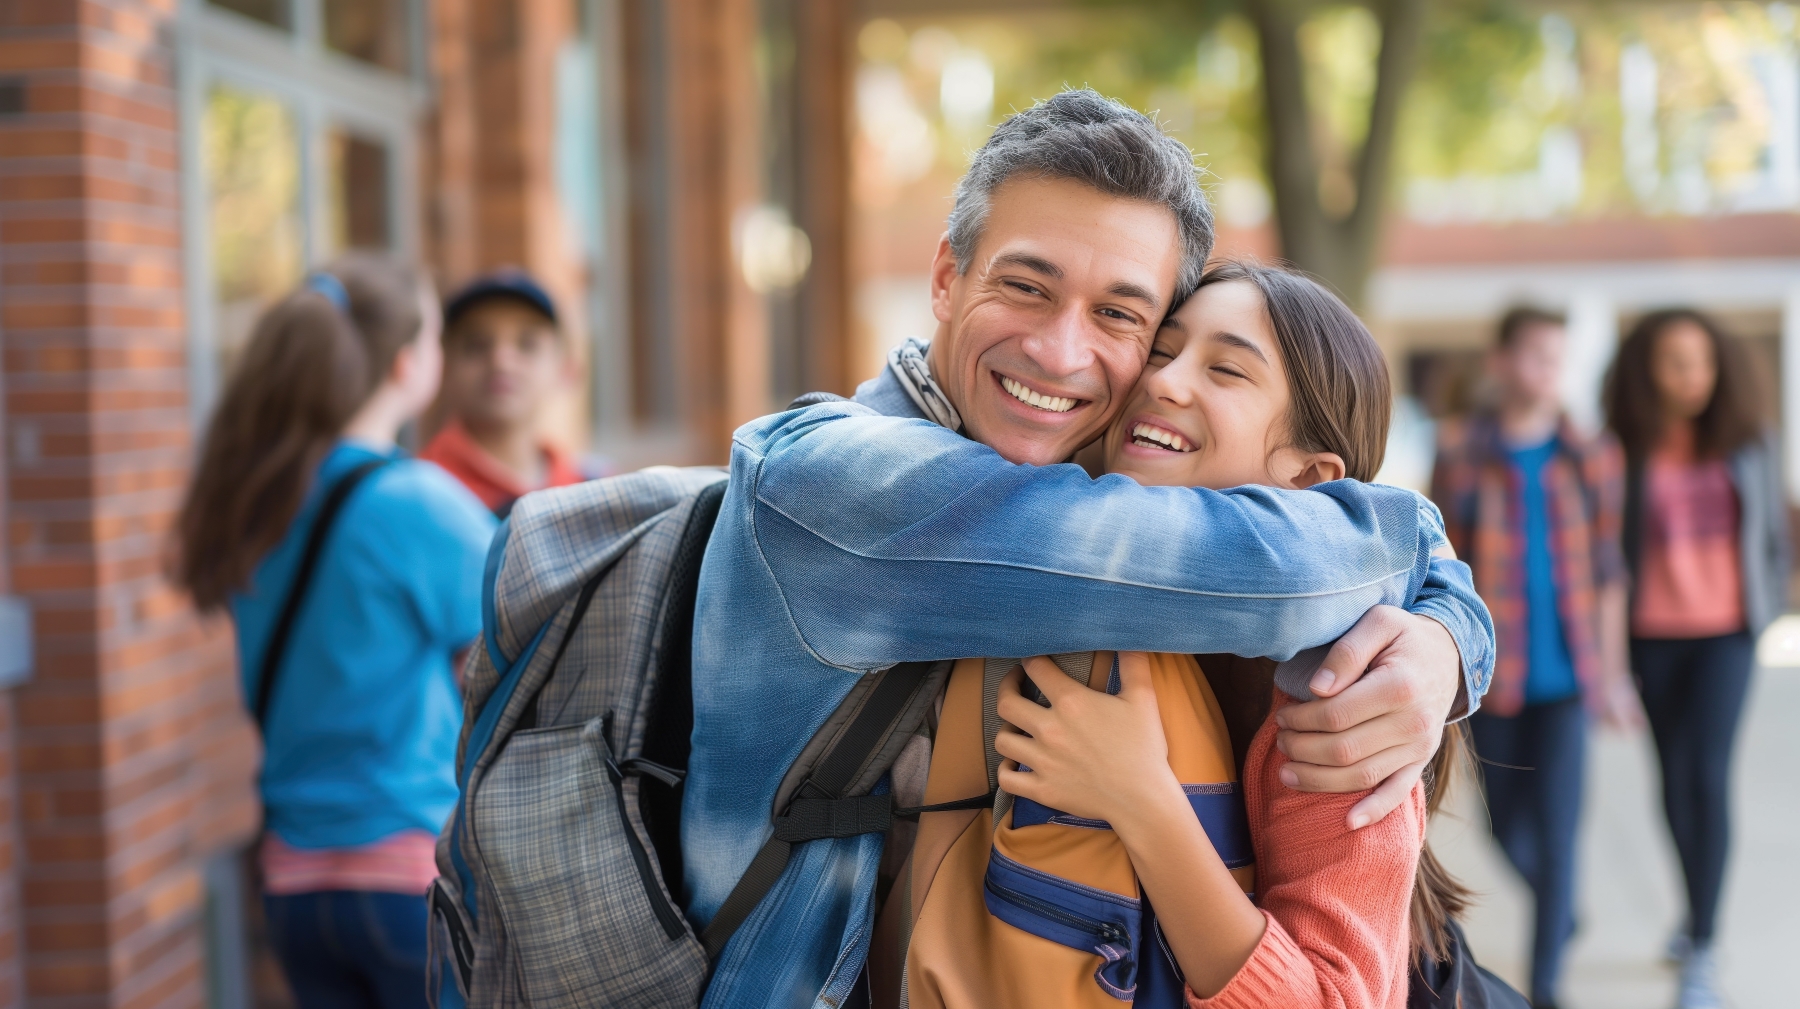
pixel 1085 137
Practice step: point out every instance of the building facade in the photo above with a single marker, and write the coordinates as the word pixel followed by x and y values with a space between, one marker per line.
pixel 731 209
pixel 167 168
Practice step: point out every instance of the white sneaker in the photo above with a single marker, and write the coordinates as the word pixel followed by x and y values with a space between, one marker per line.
pixel 1679 944
pixel 1699 980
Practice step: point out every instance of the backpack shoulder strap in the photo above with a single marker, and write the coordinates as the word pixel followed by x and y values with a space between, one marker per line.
pixel 821 808
pixel 1080 668
pixel 296 595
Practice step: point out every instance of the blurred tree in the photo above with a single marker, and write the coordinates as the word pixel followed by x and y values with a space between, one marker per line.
pixel 1330 221
pixel 1334 80
pixel 1328 113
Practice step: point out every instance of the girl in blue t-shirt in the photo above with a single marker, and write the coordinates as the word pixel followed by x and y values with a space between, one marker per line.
pixel 356 699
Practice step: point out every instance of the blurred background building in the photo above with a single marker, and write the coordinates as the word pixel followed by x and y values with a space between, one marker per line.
pixel 736 201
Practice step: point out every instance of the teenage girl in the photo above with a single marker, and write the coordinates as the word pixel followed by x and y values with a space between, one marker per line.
pixel 1706 539
pixel 1122 790
pixel 362 711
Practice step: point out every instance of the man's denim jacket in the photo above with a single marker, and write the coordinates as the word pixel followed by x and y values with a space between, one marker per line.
pixel 857 535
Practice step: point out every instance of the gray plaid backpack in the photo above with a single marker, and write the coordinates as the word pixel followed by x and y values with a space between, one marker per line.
pixel 560 870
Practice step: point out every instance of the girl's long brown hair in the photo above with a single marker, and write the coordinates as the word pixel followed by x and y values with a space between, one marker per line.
pixel 1439 898
pixel 1341 400
pixel 307 369
pixel 1732 418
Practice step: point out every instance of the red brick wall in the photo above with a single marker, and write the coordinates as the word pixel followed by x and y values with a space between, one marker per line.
pixel 133 760
pixel 11 995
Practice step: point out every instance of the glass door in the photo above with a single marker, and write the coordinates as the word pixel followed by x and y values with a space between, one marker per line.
pixel 299 121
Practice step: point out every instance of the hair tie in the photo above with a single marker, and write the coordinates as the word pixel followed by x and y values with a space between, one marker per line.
pixel 332 288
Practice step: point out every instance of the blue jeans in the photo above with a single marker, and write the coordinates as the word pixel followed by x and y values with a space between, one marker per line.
pixel 1531 767
pixel 1693 690
pixel 343 949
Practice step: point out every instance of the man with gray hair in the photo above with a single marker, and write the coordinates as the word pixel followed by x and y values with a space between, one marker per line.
pixel 932 518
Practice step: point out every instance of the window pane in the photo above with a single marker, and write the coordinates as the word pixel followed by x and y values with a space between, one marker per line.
pixel 269 12
pixel 373 31
pixel 358 191
pixel 252 154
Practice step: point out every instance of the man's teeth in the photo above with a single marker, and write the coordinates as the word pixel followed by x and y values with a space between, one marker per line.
pixel 1054 404
pixel 1163 439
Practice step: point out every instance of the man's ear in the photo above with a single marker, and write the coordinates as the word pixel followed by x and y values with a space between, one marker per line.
pixel 943 274
pixel 1299 469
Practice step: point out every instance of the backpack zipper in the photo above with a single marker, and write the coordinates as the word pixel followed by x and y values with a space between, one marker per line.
pixel 659 903
pixel 1106 931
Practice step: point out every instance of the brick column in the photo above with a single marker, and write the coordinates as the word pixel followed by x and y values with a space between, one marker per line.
pixel 825 84
pixel 490 140
pixel 133 758
pixel 692 130
pixel 12 994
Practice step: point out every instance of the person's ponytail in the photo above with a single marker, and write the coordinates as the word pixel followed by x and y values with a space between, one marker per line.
pixel 1438 897
pixel 310 365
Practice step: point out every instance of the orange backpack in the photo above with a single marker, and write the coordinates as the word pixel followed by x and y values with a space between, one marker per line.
pixel 1021 905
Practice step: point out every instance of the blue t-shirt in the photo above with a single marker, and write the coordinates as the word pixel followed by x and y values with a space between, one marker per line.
pixel 361 739
pixel 1549 669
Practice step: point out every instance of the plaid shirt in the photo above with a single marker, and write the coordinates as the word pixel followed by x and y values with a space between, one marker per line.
pixel 1481 496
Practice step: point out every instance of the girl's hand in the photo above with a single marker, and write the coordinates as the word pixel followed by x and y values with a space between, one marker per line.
pixel 1105 758
pixel 1091 754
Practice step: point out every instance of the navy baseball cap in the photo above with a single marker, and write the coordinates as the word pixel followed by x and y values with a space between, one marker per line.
pixel 513 284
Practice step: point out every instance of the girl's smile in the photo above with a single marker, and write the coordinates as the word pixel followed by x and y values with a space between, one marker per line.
pixel 1209 408
pixel 1153 434
pixel 1214 405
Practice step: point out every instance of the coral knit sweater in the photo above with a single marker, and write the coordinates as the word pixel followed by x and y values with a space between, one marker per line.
pixel 1337 900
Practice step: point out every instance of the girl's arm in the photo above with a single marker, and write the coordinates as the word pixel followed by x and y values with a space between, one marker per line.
pixel 1337 901
pixel 1333 929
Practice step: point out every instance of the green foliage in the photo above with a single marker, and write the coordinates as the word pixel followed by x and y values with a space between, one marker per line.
pixel 1192 65
pixel 252 157
pixel 1460 112
pixel 1513 108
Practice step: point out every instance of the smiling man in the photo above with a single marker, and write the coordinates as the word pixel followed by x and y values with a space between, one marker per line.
pixel 1053 322
pixel 932 518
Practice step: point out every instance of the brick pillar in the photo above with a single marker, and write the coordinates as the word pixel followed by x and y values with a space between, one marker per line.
pixel 452 237
pixel 699 339
pixel 133 757
pixel 491 145
pixel 12 994
pixel 824 81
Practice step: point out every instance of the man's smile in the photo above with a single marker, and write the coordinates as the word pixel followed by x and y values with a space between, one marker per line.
pixel 1033 398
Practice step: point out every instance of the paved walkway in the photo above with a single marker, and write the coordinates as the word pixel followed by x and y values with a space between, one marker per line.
pixel 1629 900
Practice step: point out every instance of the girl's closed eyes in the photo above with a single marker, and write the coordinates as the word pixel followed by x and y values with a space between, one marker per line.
pixel 1214 407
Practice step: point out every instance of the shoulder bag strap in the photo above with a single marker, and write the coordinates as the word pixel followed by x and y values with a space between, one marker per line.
pixel 821 809
pixel 309 562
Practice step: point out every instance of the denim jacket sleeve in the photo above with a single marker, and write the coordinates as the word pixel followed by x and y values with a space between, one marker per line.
pixel 893 539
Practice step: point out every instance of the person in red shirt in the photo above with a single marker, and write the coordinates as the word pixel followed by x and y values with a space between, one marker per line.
pixel 504 359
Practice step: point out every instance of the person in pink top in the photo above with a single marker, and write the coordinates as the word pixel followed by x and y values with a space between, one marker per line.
pixel 1705 537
